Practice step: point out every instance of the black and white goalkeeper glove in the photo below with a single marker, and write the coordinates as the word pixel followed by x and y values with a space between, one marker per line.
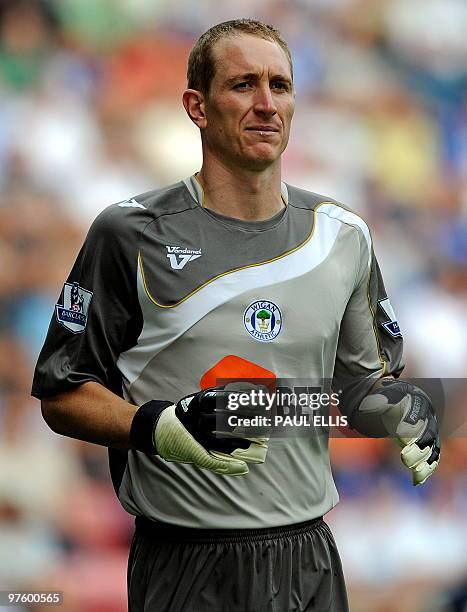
pixel 402 410
pixel 188 432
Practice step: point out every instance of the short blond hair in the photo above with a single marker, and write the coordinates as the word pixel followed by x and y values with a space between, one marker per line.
pixel 201 65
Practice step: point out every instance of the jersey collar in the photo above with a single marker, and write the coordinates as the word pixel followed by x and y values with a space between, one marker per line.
pixel 196 191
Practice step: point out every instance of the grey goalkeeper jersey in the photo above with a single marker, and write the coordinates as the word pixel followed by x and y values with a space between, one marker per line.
pixel 166 296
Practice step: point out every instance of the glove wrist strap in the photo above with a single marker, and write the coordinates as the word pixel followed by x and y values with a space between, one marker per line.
pixel 143 426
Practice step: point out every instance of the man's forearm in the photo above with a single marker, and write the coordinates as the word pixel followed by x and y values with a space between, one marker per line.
pixel 92 413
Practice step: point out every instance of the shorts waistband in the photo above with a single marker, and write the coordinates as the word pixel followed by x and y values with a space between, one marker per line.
pixel 164 532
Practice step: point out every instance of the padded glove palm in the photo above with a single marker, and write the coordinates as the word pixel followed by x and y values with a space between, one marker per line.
pixel 196 431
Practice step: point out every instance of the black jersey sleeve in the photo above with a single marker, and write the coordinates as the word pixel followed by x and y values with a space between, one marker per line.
pixel 370 341
pixel 97 316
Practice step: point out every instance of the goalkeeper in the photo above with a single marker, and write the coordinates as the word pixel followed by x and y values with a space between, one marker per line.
pixel 228 274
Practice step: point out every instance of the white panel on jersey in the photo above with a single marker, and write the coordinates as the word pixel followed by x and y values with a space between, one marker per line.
pixel 163 325
pixel 346 216
pixel 131 204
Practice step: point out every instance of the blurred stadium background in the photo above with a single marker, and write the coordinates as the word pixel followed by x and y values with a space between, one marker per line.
pixel 90 114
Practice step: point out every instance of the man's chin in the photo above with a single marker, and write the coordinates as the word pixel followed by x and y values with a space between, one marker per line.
pixel 261 157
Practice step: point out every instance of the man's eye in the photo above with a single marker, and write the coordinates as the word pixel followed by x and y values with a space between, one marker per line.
pixel 280 85
pixel 242 85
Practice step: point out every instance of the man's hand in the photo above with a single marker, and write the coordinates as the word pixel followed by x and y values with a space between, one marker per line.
pixel 402 410
pixel 196 431
pixel 175 443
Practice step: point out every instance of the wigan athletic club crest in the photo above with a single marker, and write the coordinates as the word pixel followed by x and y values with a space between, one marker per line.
pixel 263 320
pixel 73 313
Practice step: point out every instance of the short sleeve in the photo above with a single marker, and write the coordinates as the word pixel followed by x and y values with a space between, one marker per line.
pixel 97 315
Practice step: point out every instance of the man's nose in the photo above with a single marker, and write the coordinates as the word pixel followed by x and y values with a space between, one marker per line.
pixel 264 101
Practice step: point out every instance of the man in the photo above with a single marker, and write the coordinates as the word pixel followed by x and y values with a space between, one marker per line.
pixel 230 274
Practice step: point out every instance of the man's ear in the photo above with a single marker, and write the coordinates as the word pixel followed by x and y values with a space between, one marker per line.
pixel 194 103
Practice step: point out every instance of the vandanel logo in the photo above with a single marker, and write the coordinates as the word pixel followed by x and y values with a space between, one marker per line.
pixel 263 320
pixel 179 256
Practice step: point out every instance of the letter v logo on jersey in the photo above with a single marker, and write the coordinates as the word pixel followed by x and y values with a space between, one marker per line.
pixel 179 256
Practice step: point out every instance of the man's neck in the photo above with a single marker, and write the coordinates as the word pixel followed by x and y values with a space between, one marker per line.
pixel 241 194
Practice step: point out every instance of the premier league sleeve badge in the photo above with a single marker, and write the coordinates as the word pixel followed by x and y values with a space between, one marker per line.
pixel 73 313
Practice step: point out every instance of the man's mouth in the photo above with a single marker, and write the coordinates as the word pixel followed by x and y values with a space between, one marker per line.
pixel 262 128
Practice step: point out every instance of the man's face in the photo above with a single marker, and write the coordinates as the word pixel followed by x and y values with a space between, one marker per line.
pixel 250 103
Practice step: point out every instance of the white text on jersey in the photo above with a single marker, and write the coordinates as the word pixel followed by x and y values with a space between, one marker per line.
pixel 179 256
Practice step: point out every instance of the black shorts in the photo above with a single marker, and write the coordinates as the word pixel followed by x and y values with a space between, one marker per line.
pixel 253 570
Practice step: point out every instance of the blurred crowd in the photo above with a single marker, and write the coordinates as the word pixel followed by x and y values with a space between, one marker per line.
pixel 90 114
